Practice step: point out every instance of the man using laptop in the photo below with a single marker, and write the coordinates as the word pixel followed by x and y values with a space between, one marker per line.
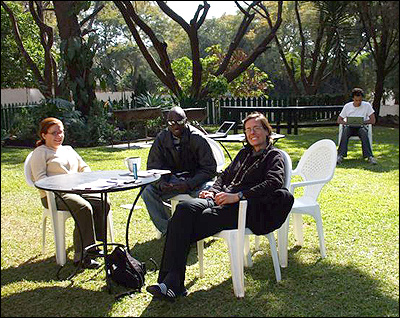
pixel 184 150
pixel 356 108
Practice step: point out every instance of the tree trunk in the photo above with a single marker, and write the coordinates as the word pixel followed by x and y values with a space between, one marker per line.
pixel 380 79
pixel 77 56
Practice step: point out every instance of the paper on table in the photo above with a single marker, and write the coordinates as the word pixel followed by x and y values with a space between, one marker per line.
pixel 103 184
pixel 159 171
pixel 151 172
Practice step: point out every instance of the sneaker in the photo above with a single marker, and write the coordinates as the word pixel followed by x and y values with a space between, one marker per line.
pixel 95 252
pixel 88 263
pixel 372 160
pixel 339 160
pixel 161 291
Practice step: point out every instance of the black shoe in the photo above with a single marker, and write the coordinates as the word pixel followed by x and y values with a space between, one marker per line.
pixel 161 291
pixel 88 263
pixel 95 252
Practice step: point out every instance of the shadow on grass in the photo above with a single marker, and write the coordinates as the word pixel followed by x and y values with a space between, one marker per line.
pixel 317 289
pixel 306 290
pixel 154 249
pixel 57 302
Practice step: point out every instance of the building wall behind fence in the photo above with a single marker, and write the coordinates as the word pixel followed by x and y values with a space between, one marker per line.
pixel 33 95
pixel 20 95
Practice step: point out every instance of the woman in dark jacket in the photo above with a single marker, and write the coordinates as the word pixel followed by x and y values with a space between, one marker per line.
pixel 257 175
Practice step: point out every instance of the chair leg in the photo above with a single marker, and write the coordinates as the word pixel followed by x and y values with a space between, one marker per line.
pixel 320 230
pixel 298 228
pixel 257 242
pixel 247 255
pixel 200 256
pixel 59 237
pixel 274 254
pixel 110 225
pixel 283 233
pixel 44 219
pixel 236 257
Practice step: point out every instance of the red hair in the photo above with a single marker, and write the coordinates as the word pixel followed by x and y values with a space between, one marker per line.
pixel 44 126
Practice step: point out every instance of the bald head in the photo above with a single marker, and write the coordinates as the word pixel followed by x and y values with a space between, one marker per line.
pixel 176 121
pixel 176 113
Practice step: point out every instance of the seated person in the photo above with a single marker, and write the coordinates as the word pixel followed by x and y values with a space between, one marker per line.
pixel 257 175
pixel 356 108
pixel 184 150
pixel 51 158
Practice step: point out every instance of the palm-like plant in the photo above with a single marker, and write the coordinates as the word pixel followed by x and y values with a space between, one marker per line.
pixel 152 100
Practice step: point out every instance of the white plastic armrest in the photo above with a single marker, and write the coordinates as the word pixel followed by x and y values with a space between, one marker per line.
pixel 306 183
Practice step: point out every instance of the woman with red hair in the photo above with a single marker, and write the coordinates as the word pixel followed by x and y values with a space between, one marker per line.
pixel 50 158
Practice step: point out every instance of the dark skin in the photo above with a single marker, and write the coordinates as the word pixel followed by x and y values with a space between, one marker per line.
pixel 175 114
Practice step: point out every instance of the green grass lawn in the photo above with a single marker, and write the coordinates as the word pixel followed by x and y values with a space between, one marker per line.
pixel 359 276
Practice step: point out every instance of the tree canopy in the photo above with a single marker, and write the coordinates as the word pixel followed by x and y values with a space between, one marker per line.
pixel 271 48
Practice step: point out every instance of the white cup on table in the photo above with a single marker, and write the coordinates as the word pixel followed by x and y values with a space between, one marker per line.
pixel 133 164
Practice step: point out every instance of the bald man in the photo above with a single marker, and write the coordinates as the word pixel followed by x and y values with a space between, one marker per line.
pixel 184 150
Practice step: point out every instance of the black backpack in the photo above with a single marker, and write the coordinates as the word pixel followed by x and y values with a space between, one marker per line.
pixel 124 269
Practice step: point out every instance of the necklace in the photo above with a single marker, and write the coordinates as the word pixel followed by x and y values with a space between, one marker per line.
pixel 236 181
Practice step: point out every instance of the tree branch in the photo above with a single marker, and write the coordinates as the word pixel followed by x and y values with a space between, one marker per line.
pixel 25 54
pixel 289 69
pixel 247 19
pixel 192 33
pixel 164 70
pixel 232 74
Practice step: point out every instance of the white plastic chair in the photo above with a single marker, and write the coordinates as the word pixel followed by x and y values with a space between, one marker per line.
pixel 58 218
pixel 316 167
pixel 218 154
pixel 356 137
pixel 238 242
pixel 219 157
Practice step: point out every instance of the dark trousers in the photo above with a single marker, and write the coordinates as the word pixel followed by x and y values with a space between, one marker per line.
pixel 88 212
pixel 361 132
pixel 192 221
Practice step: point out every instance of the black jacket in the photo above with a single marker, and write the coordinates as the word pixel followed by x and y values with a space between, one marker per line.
pixel 261 180
pixel 195 156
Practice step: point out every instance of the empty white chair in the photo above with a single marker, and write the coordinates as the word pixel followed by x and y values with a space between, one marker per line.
pixel 316 168
pixel 58 218
pixel 356 137
pixel 218 154
pixel 238 242
pixel 219 157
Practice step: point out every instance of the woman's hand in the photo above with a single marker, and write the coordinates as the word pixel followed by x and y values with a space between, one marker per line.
pixel 223 198
pixel 206 194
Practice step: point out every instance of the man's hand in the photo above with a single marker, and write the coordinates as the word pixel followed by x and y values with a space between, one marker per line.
pixel 206 194
pixel 223 198
pixel 181 187
pixel 166 187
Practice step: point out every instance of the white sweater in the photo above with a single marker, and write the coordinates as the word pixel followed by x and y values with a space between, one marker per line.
pixel 46 162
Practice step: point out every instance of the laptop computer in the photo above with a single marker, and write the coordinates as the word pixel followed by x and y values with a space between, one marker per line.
pixel 222 130
pixel 355 121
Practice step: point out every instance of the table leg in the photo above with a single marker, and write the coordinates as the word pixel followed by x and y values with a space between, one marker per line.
pixel 226 150
pixel 105 250
pixel 129 218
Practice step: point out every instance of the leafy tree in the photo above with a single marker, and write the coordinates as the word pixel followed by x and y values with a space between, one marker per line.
pixel 326 31
pixel 14 71
pixel 47 82
pixel 76 52
pixel 118 63
pixel 381 24
pixel 163 68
